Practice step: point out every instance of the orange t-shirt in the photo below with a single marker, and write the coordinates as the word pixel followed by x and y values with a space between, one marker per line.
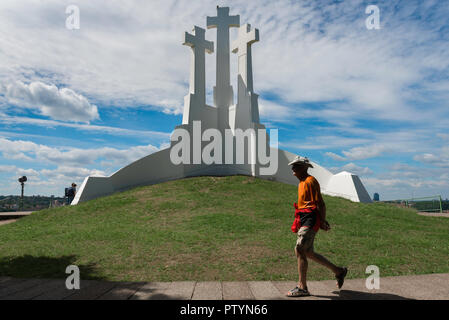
pixel 309 193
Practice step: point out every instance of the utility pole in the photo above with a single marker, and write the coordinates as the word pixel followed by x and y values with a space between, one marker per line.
pixel 22 182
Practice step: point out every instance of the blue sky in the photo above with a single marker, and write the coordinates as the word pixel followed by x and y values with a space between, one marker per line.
pixel 89 101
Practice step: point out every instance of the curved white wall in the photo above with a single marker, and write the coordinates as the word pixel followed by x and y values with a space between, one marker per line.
pixel 157 168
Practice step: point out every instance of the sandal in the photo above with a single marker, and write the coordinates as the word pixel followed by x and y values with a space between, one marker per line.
pixel 341 277
pixel 298 292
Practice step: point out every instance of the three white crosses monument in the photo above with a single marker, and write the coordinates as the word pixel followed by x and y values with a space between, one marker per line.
pixel 224 139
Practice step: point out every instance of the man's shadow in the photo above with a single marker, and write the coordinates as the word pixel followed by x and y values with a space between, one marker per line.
pixel 359 295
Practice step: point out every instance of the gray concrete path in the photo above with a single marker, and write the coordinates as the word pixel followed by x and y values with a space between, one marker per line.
pixel 12 216
pixel 15 213
pixel 434 214
pixel 2 222
pixel 432 286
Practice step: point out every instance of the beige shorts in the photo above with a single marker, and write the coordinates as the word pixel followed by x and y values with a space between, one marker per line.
pixel 306 236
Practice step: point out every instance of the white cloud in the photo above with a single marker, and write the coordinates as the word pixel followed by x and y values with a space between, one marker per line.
pixel 48 181
pixel 403 183
pixel 309 52
pixel 27 172
pixel 72 165
pixel 360 153
pixel 366 152
pixel 439 160
pixel 31 151
pixel 65 173
pixel 335 156
pixel 7 168
pixel 323 142
pixel 372 144
pixel 353 168
pixel 402 180
pixel 84 127
pixel 272 111
pixel 59 104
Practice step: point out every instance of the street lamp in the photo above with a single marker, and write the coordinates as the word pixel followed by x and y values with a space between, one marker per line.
pixel 22 182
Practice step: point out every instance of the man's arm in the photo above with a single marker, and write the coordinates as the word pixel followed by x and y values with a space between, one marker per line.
pixel 322 211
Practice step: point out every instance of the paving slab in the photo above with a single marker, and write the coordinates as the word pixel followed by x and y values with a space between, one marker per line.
pixel 237 291
pixel 151 291
pixel 422 287
pixel 93 291
pixel 318 290
pixel 15 213
pixel 265 290
pixel 182 290
pixel 355 289
pixel 434 214
pixel 208 290
pixel 46 286
pixel 61 292
pixel 14 286
pixel 3 279
pixel 8 221
pixel 10 281
pixel 324 290
pixel 432 286
pixel 122 291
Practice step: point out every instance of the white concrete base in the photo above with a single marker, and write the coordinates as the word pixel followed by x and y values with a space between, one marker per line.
pixel 157 167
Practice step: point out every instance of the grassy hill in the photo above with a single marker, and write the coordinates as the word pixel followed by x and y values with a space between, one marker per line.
pixel 216 228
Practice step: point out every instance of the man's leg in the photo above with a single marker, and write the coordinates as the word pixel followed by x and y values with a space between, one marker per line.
pixel 323 261
pixel 304 243
pixel 302 268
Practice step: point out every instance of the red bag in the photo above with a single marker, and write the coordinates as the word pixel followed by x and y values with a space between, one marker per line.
pixel 297 222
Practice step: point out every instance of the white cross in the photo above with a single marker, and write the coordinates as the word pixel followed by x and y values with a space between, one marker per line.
pixel 242 46
pixel 223 19
pixel 245 39
pixel 223 95
pixel 199 46
pixel 198 41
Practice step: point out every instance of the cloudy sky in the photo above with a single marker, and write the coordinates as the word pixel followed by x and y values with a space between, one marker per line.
pixel 75 102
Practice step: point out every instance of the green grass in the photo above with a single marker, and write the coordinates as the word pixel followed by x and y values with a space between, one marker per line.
pixel 209 228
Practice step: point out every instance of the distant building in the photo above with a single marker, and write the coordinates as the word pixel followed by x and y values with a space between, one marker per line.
pixel 376 197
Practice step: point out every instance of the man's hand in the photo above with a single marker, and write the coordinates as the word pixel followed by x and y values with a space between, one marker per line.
pixel 325 225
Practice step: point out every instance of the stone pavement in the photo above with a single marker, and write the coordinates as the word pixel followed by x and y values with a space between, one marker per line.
pixel 15 213
pixel 434 214
pixel 9 217
pixel 432 286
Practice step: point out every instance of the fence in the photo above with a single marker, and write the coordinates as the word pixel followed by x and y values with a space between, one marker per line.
pixel 423 204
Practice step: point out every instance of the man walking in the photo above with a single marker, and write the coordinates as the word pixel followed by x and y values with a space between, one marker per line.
pixel 71 192
pixel 310 216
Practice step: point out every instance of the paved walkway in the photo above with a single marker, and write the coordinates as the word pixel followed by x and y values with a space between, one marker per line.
pixel 433 286
pixel 434 214
pixel 11 216
pixel 2 222
pixel 15 213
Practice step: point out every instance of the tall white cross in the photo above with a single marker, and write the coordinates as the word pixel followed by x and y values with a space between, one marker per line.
pixel 223 21
pixel 223 93
pixel 242 46
pixel 199 46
